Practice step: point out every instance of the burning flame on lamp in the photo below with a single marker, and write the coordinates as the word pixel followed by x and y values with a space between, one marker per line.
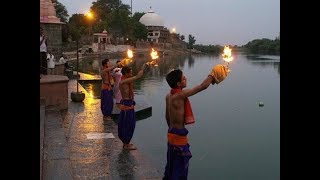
pixel 154 57
pixel 127 60
pixel 129 53
pixel 227 54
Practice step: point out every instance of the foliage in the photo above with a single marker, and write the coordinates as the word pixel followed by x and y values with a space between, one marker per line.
pixel 208 48
pixel 77 26
pixel 191 41
pixel 182 37
pixel 61 12
pixel 263 46
pixel 139 31
pixel 137 15
pixel 100 26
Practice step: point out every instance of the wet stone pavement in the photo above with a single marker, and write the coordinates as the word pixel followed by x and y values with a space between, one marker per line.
pixel 79 144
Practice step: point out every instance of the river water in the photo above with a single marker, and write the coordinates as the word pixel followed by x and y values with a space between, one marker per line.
pixel 233 137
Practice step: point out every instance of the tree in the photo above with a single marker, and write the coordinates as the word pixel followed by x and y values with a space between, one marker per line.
pixel 263 46
pixel 139 31
pixel 77 25
pixel 102 8
pixel 191 42
pixel 137 15
pixel 61 12
pixel 182 37
pixel 100 26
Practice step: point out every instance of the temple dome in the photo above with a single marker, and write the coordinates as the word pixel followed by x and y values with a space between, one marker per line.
pixel 151 19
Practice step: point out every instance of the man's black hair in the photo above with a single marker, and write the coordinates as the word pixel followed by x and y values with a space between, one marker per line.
pixel 125 70
pixel 105 61
pixel 174 77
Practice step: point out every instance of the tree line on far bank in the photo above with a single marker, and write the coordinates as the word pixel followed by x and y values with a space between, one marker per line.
pixel 115 17
pixel 256 46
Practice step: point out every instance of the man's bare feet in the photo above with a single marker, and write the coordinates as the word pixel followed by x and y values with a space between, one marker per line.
pixel 129 147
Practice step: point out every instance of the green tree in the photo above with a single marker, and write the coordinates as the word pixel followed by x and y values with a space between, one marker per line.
pixel 102 8
pixel 61 12
pixel 263 46
pixel 115 15
pixel 100 26
pixel 137 15
pixel 182 37
pixel 140 31
pixel 77 25
pixel 191 42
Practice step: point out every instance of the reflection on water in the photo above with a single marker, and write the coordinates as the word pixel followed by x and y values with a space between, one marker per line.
pixel 265 60
pixel 233 138
pixel 92 87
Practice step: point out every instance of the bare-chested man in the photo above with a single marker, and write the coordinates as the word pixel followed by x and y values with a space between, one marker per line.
pixel 106 89
pixel 127 119
pixel 178 114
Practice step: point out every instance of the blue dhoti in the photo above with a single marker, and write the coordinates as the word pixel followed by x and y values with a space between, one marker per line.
pixel 178 155
pixel 106 102
pixel 126 120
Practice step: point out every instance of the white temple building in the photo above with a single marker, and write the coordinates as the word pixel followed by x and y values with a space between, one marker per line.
pixel 157 32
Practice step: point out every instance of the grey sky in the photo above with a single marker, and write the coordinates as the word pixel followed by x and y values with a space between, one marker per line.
pixel 222 22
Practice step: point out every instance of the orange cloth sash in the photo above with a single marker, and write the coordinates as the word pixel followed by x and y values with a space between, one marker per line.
pixel 125 108
pixel 188 114
pixel 130 88
pixel 178 140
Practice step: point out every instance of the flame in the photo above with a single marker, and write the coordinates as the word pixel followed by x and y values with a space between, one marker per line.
pixel 127 60
pixel 129 53
pixel 227 54
pixel 154 56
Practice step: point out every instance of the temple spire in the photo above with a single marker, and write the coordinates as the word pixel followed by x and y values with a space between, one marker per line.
pixel 48 12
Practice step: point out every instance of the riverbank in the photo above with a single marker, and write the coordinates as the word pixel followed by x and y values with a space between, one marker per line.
pixel 138 52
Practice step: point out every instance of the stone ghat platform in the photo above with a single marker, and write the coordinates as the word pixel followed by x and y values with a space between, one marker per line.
pixel 142 108
pixel 54 90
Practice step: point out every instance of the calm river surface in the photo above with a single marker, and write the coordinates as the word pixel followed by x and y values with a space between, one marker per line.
pixel 233 138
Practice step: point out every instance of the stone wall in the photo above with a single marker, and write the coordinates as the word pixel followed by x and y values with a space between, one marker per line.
pixel 53 31
pixel 54 89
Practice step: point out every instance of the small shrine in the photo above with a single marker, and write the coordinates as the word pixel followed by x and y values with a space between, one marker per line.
pixel 100 41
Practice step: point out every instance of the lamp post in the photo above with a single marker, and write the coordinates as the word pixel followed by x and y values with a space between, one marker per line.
pixel 77 96
pixel 90 16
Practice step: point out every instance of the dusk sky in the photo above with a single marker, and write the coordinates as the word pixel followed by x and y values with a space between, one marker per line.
pixel 223 22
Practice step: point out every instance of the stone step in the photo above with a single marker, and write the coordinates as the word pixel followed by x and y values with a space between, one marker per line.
pixel 56 157
pixel 42 119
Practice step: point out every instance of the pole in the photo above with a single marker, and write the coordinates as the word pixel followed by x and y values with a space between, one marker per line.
pixel 131 8
pixel 77 65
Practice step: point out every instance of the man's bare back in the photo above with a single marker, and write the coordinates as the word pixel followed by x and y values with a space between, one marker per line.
pixel 175 109
pixel 104 76
pixel 124 89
